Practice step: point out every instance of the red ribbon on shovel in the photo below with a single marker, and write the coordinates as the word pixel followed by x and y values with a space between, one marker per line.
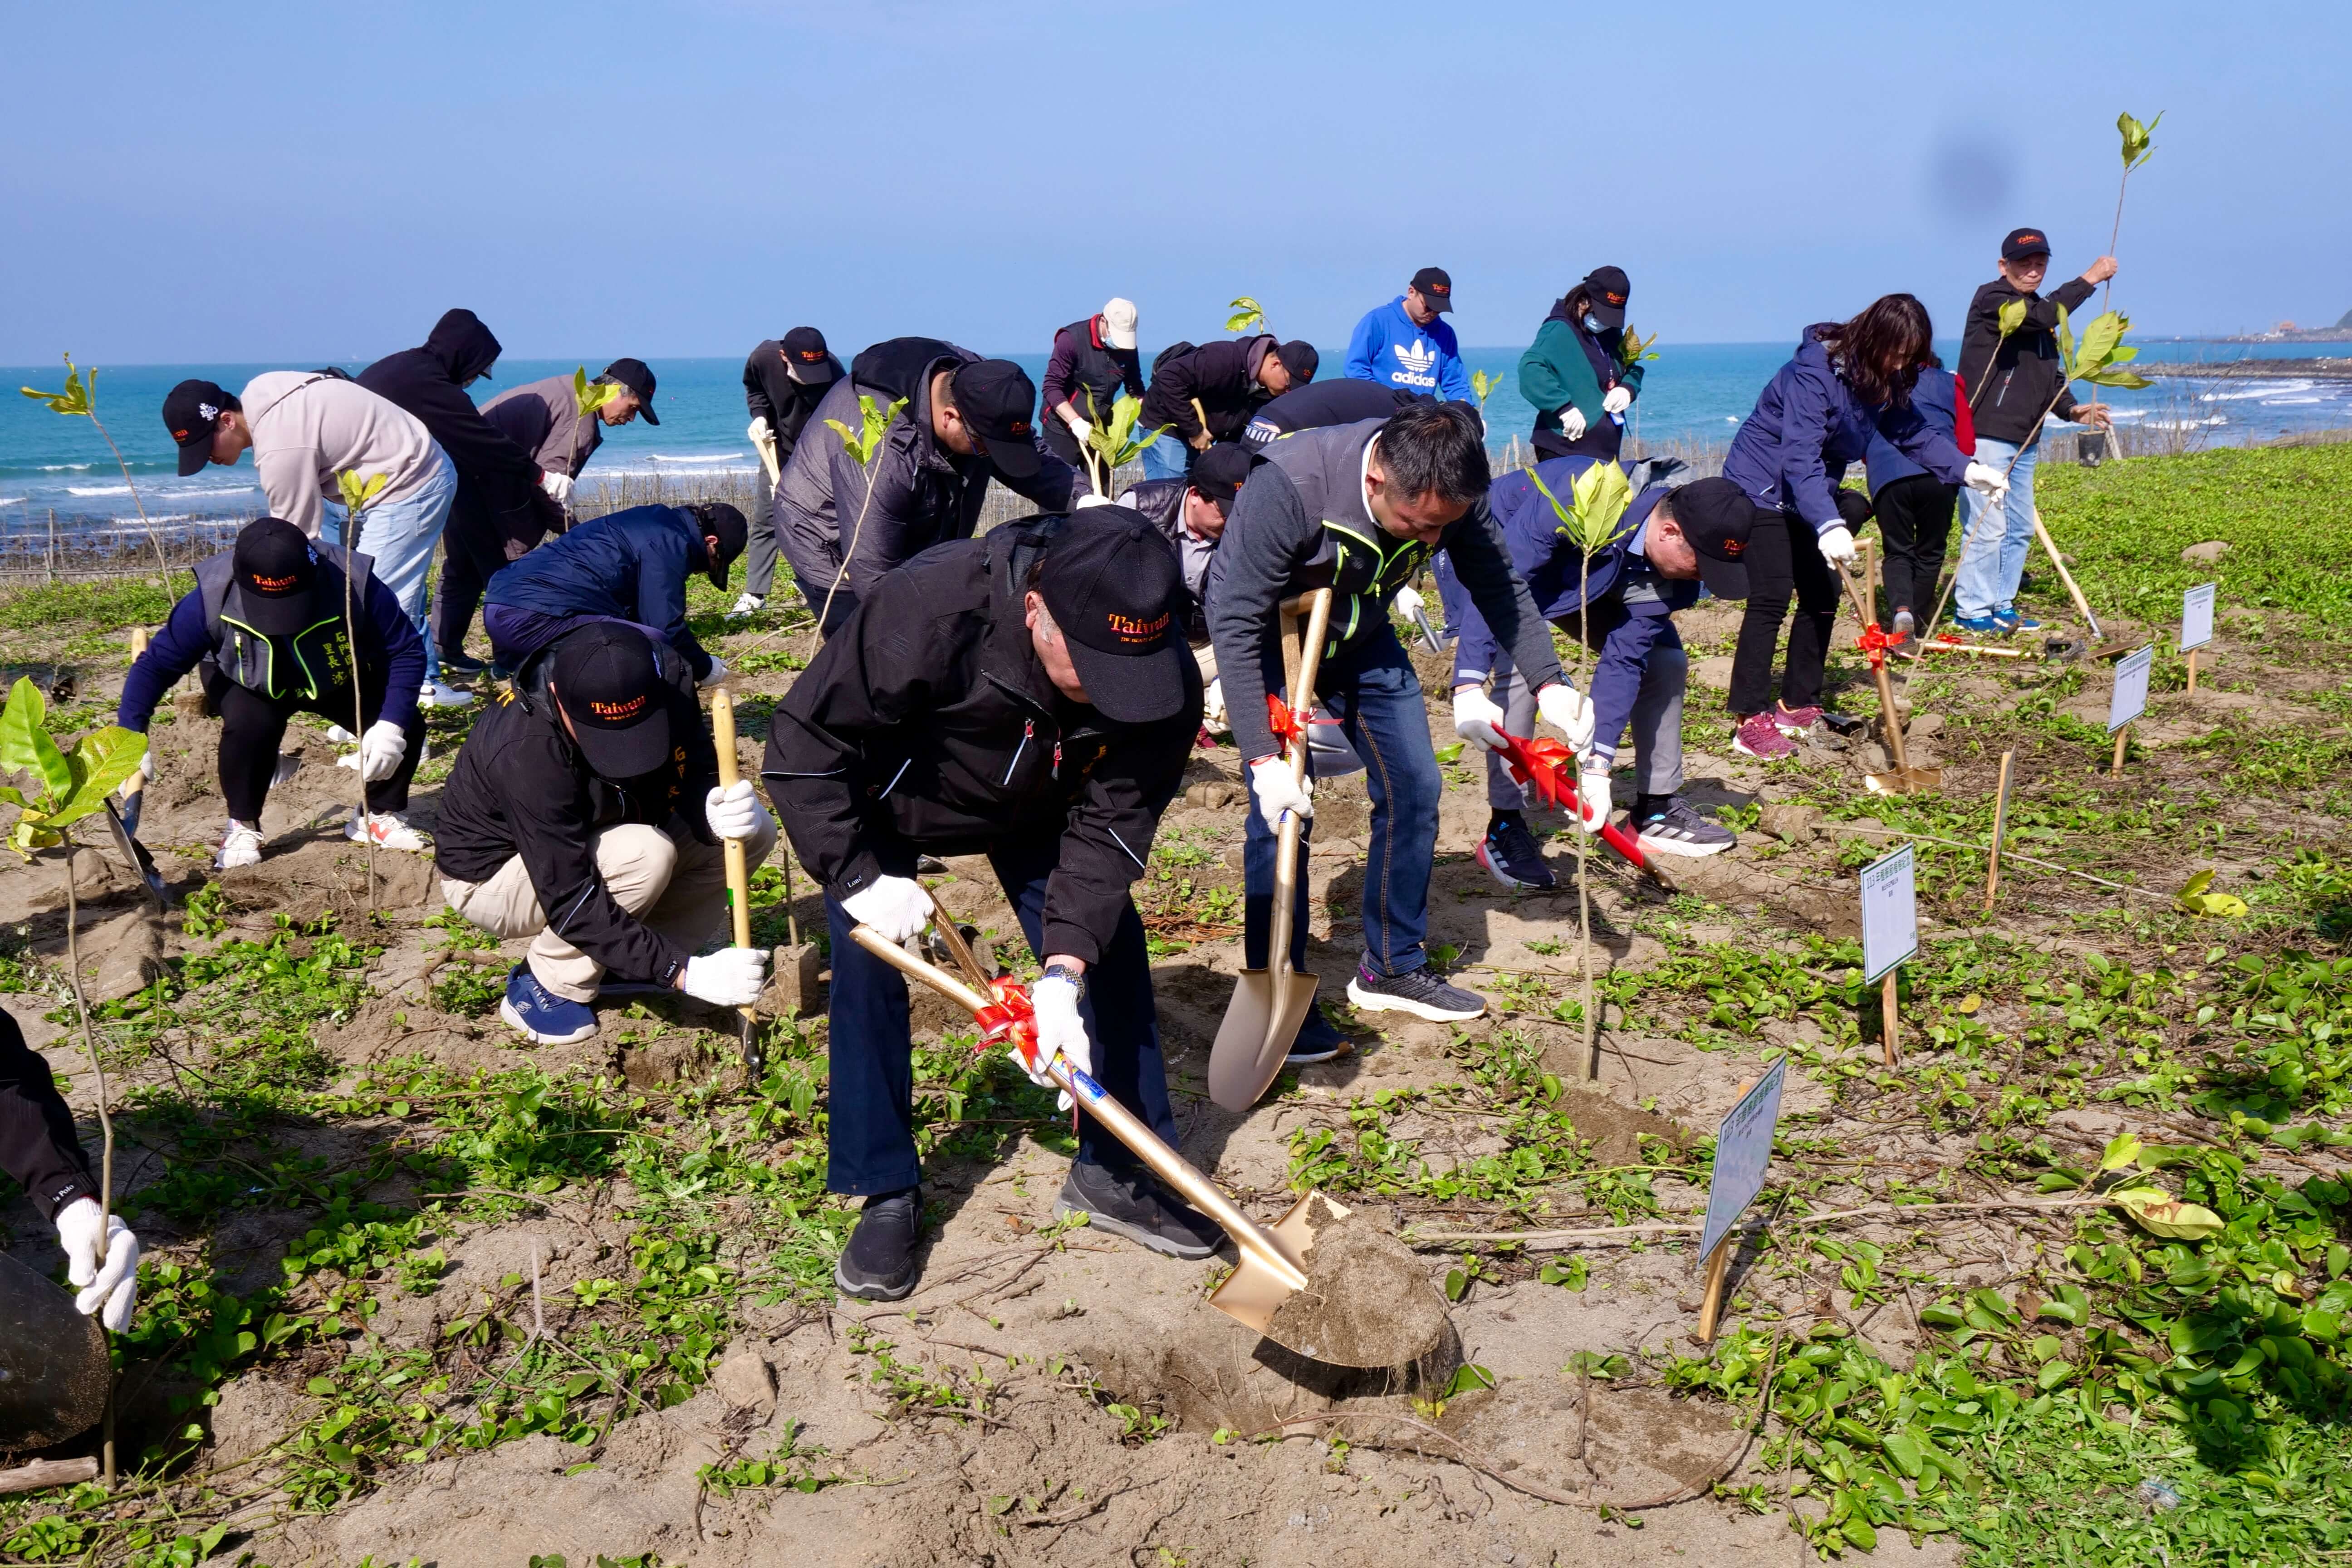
pixel 1874 643
pixel 1549 767
pixel 1286 725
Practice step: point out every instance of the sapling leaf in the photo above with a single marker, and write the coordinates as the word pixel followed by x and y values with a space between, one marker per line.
pixel 1632 348
pixel 2066 346
pixel 19 721
pixel 1483 385
pixel 2012 317
pixel 76 397
pixel 101 761
pixel 360 492
pixel 1247 315
pixel 874 421
pixel 2137 147
pixel 587 397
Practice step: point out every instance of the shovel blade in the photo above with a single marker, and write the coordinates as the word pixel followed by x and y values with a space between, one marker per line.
pixel 1260 1022
pixel 1909 781
pixel 1255 1291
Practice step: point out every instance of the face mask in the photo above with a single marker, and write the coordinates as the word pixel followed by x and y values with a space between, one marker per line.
pixel 1591 322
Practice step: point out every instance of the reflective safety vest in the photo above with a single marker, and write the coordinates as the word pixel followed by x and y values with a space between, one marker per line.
pixel 1362 564
pixel 316 659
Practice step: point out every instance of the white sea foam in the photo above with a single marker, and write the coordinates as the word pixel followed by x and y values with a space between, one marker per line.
pixel 700 457
pixel 2261 391
pixel 105 491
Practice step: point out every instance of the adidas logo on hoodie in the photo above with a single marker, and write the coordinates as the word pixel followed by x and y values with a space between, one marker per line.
pixel 1418 361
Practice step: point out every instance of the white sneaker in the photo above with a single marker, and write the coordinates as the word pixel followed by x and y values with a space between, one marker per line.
pixel 389 830
pixel 240 845
pixel 440 694
pixel 748 605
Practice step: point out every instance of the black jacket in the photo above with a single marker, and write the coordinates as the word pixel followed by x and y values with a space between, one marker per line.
pixel 521 787
pixel 497 480
pixel 770 392
pixel 2027 377
pixel 1223 376
pixel 927 725
pixel 1342 400
pixel 37 1146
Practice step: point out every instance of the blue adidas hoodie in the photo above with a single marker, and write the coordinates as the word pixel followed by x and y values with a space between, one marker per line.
pixel 1389 349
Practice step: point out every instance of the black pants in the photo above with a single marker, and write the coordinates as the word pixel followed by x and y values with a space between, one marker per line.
pixel 252 726
pixel 844 604
pixel 1914 522
pixel 472 553
pixel 1784 561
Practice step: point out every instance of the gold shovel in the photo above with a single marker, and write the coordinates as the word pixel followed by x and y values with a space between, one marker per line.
pixel 1905 779
pixel 1269 1004
pixel 1274 1265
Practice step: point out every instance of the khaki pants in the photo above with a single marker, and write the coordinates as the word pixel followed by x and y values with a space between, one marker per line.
pixel 678 887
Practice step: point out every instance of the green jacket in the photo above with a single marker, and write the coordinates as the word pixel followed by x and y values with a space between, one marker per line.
pixel 1556 372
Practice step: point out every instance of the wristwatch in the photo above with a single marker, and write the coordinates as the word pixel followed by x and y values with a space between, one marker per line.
pixel 1064 972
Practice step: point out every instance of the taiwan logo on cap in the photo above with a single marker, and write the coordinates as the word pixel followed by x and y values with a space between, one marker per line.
pixel 1734 548
pixel 1613 297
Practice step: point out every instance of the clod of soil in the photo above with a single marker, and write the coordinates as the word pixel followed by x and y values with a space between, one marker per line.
pixel 53 1369
pixel 1368 1302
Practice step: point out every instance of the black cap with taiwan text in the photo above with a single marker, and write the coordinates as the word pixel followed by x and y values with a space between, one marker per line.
pixel 997 400
pixel 638 377
pixel 2023 243
pixel 1114 587
pixel 1435 288
pixel 1606 290
pixel 1718 518
pixel 806 359
pixel 609 686
pixel 277 570
pixel 192 412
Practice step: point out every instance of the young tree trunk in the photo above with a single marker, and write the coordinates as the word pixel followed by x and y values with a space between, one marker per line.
pixel 359 710
pixel 1584 840
pixel 105 1119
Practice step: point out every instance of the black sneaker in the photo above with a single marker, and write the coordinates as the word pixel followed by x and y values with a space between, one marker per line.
pixel 1420 992
pixel 1512 856
pixel 1678 830
pixel 458 664
pixel 1139 1208
pixel 1319 1040
pixel 878 1263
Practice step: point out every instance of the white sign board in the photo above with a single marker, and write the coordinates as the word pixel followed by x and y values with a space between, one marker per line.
pixel 1743 1148
pixel 2197 617
pixel 2131 688
pixel 1890 912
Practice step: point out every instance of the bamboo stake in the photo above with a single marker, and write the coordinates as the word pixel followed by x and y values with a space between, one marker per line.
pixel 105 1126
pixel 739 876
pixel 2000 823
pixel 2192 670
pixel 2049 548
pixel 1886 1013
pixel 2116 770
pixel 1719 1263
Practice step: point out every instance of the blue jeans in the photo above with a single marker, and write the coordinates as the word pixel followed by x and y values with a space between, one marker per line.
pixel 1993 546
pixel 870 1144
pixel 1166 459
pixel 401 535
pixel 1372 689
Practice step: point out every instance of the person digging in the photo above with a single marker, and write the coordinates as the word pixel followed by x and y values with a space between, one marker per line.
pixel 585 813
pixel 265 622
pixel 1359 508
pixel 1028 695
pixel 1622 606
pixel 629 567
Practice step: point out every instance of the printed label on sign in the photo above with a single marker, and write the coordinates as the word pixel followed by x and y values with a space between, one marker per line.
pixel 2197 616
pixel 1743 1148
pixel 2131 688
pixel 1890 912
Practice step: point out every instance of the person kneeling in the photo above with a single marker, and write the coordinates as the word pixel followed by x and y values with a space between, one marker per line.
pixel 585 814
pixel 267 621
pixel 1026 695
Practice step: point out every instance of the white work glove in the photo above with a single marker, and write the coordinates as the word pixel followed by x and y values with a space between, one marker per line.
pixel 1213 705
pixel 714 675
pixel 733 812
pixel 1571 421
pixel 114 1288
pixel 1476 719
pixel 1060 1031
pixel 758 431
pixel 557 484
pixel 1592 795
pixel 1278 792
pixel 140 774
pixel 1618 399
pixel 1408 602
pixel 1568 711
pixel 1080 429
pixel 1837 545
pixel 381 750
pixel 1087 499
pixel 1987 481
pixel 732 977
pixel 896 907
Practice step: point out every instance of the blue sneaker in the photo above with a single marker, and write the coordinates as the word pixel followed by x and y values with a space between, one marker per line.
pixel 1318 1040
pixel 2014 620
pixel 533 1010
pixel 1983 626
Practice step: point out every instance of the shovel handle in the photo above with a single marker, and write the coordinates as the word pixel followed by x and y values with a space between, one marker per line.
pixel 1318 606
pixel 1116 1120
pixel 2049 548
pixel 739 871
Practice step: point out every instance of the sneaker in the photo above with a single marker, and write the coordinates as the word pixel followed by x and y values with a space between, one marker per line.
pixel 1138 1208
pixel 1420 992
pixel 2016 621
pixel 1980 626
pixel 1759 737
pixel 1902 638
pixel 541 1015
pixel 1796 722
pixel 1319 1040
pixel 1679 830
pixel 462 665
pixel 878 1263
pixel 440 694
pixel 1512 856
pixel 240 845
pixel 748 605
pixel 389 830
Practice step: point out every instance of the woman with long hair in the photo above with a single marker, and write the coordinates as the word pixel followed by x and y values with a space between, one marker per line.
pixel 1571 375
pixel 1849 380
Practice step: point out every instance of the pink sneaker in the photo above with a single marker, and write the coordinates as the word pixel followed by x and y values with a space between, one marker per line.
pixel 1760 737
pixel 1798 720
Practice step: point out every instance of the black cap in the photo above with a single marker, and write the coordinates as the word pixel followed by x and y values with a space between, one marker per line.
pixel 276 569
pixel 1114 589
pixel 718 520
pixel 638 377
pixel 1436 289
pixel 1299 358
pixel 1716 517
pixel 1607 290
pixel 609 686
pixel 2023 243
pixel 997 399
pixel 192 412
pixel 806 359
pixel 1218 472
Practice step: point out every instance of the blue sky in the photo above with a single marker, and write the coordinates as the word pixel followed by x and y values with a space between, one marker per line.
pixel 274 182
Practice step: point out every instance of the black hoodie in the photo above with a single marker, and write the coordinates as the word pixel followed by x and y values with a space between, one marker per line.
pixel 430 383
pixel 2014 382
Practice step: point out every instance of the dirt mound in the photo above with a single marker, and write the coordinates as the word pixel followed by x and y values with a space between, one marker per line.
pixel 329 875
pixel 1368 1302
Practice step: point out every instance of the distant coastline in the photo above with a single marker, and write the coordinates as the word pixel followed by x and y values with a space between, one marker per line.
pixel 2249 369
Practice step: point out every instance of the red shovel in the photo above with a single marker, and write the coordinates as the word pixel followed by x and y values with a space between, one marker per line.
pixel 1549 769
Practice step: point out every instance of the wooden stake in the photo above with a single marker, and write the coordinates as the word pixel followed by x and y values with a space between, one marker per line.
pixel 1886 1012
pixel 2121 736
pixel 1999 825
pixel 2058 563
pixel 1710 1306
pixel 739 879
pixel 2193 670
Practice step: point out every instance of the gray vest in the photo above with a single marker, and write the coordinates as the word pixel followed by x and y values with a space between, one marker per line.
pixel 1364 563
pixel 316 659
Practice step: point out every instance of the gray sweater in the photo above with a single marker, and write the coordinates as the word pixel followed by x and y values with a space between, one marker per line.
pixel 1301 522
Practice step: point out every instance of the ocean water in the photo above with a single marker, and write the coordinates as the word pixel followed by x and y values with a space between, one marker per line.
pixel 1694 392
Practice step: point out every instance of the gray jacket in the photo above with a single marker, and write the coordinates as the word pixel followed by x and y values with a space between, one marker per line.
pixel 542 418
pixel 915 494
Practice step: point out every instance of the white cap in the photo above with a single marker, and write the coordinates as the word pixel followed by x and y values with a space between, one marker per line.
pixel 1119 323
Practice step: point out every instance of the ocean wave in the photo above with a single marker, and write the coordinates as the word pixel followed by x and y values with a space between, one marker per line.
pixel 102 491
pixel 2291 402
pixel 698 457
pixel 2261 392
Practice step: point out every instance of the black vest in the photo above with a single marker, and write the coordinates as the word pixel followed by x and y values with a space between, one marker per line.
pixel 316 659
